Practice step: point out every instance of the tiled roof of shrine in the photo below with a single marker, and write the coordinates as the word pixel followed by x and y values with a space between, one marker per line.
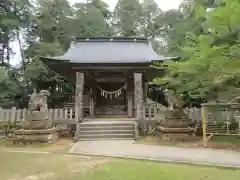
pixel 109 50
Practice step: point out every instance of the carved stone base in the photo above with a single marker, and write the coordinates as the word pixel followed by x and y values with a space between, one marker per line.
pixel 175 123
pixel 37 120
pixel 42 136
pixel 37 132
pixel 175 136
pixel 37 115
pixel 41 124
pixel 175 130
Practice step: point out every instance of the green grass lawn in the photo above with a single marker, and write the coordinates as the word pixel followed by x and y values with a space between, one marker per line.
pixel 226 140
pixel 57 166
pixel 145 170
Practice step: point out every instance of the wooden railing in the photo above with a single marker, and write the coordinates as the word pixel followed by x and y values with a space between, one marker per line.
pixel 62 116
pixel 12 115
pixel 149 111
pixel 155 111
pixel 56 115
pixel 86 109
pixel 152 111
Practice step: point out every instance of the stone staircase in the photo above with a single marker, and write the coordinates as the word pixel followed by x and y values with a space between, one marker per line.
pixel 114 110
pixel 107 130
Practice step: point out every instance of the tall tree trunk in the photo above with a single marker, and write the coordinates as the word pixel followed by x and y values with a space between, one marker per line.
pixel 21 50
pixel 23 58
pixel 5 59
pixel 8 49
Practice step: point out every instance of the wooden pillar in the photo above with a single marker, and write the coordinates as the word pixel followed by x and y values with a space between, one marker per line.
pixel 129 99
pixel 91 103
pixel 94 91
pixel 94 106
pixel 79 96
pixel 138 96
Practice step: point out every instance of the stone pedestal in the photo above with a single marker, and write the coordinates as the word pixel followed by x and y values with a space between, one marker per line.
pixel 42 136
pixel 37 120
pixel 175 126
pixel 36 128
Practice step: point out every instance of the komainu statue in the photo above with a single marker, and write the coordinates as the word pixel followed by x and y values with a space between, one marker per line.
pixel 176 123
pixel 38 101
pixel 37 117
pixel 174 101
pixel 38 126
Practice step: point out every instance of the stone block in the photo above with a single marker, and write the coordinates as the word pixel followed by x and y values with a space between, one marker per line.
pixel 176 123
pixel 42 138
pixel 37 116
pixel 175 114
pixel 40 124
pixel 37 132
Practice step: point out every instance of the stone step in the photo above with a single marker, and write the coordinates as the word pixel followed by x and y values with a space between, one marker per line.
pixel 112 117
pixel 92 130
pixel 107 110
pixel 106 136
pixel 111 112
pixel 112 125
pixel 102 139
pixel 109 131
pixel 96 128
pixel 112 108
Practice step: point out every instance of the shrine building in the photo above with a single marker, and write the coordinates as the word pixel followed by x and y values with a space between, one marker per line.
pixel 110 75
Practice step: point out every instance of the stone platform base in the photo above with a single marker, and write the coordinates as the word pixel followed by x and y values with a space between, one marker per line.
pixel 175 137
pixel 175 133
pixel 41 136
pixel 175 130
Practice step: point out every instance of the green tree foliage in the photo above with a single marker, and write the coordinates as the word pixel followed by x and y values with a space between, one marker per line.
pixel 127 16
pixel 52 23
pixel 36 71
pixel 11 86
pixel 206 41
pixel 102 7
pixel 212 66
pixel 91 20
pixel 49 34
pixel 148 20
pixel 15 15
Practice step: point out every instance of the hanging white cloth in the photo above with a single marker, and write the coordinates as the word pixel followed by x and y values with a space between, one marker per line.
pixel 111 94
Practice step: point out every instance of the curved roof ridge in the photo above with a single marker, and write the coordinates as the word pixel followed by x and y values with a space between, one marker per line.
pixel 110 50
pixel 110 39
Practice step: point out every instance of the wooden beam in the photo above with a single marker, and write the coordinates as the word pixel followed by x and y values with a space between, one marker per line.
pixel 110 79
pixel 91 104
